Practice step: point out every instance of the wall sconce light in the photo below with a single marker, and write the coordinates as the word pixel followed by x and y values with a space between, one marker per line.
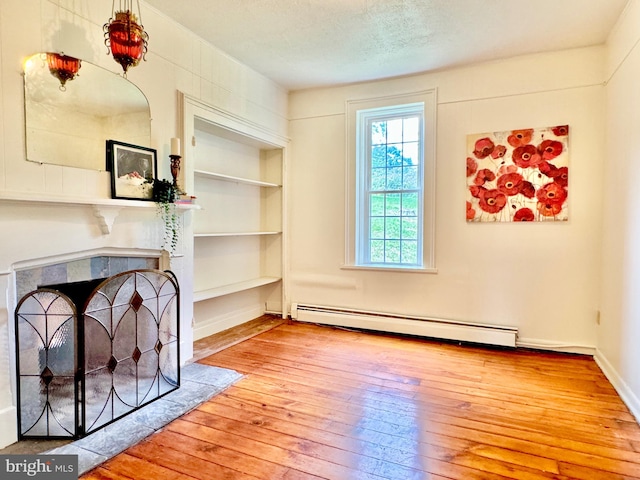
pixel 63 67
pixel 125 38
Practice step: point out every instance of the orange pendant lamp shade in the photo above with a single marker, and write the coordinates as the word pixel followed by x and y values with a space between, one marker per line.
pixel 63 67
pixel 125 37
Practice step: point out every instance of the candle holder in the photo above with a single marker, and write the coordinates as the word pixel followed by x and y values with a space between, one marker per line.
pixel 175 169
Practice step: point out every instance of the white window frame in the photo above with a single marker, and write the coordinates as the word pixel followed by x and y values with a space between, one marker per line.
pixel 357 172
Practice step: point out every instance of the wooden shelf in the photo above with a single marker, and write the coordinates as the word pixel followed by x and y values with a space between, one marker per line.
pixel 233 288
pixel 229 178
pixel 234 234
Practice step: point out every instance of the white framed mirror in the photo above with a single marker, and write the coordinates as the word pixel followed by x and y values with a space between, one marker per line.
pixel 70 125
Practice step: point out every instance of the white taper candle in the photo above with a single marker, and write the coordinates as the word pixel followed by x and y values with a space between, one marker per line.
pixel 175 146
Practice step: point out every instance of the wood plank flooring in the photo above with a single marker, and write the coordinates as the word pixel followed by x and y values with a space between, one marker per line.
pixel 213 344
pixel 324 403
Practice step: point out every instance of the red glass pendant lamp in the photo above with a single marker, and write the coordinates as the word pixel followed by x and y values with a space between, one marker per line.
pixel 63 67
pixel 125 36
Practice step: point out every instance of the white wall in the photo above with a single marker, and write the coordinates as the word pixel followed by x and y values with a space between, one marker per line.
pixel 619 332
pixel 540 277
pixel 177 61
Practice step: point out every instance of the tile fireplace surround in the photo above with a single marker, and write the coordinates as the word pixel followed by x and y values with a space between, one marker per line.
pixel 84 269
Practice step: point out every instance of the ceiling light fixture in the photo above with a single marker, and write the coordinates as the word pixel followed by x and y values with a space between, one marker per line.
pixel 125 38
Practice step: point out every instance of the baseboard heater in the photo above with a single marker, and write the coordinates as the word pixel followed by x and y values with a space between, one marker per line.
pixel 421 326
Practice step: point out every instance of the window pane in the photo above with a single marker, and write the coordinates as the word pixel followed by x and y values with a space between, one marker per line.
pixel 394 155
pixel 411 129
pixel 377 205
pixel 394 131
pixel 393 228
pixel 378 133
pixel 409 204
pixel 410 252
pixel 377 251
pixel 378 156
pixel 393 205
pixel 392 251
pixel 409 228
pixel 394 178
pixel 377 227
pixel 410 154
pixel 410 178
pixel 378 178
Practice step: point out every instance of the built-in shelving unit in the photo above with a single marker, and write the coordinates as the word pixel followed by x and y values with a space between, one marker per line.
pixel 237 175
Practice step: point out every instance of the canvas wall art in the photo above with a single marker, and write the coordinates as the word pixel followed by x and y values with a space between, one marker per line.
pixel 518 175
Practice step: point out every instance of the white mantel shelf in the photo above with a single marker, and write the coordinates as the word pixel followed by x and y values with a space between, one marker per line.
pixel 105 209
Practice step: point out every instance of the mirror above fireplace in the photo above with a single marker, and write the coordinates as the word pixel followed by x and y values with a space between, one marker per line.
pixel 69 115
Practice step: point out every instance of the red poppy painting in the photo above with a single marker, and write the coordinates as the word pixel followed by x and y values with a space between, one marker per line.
pixel 518 175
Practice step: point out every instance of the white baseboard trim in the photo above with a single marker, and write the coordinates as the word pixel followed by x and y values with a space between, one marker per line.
pixel 538 344
pixel 421 326
pixel 628 397
pixel 214 325
pixel 9 430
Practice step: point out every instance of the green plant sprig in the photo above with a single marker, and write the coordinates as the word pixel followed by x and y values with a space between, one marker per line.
pixel 165 193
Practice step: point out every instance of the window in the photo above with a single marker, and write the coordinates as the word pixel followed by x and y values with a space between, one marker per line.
pixel 392 188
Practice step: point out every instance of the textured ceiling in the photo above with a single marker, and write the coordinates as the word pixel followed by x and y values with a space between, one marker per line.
pixel 308 43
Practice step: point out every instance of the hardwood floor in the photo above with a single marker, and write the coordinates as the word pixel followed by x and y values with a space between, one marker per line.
pixel 213 344
pixel 324 403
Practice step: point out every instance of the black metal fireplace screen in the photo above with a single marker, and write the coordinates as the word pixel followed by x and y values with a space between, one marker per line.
pixel 79 372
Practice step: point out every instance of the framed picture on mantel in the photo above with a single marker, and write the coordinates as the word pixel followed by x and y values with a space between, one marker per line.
pixel 133 169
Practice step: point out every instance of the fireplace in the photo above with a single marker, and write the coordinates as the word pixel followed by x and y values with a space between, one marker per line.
pixel 90 352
